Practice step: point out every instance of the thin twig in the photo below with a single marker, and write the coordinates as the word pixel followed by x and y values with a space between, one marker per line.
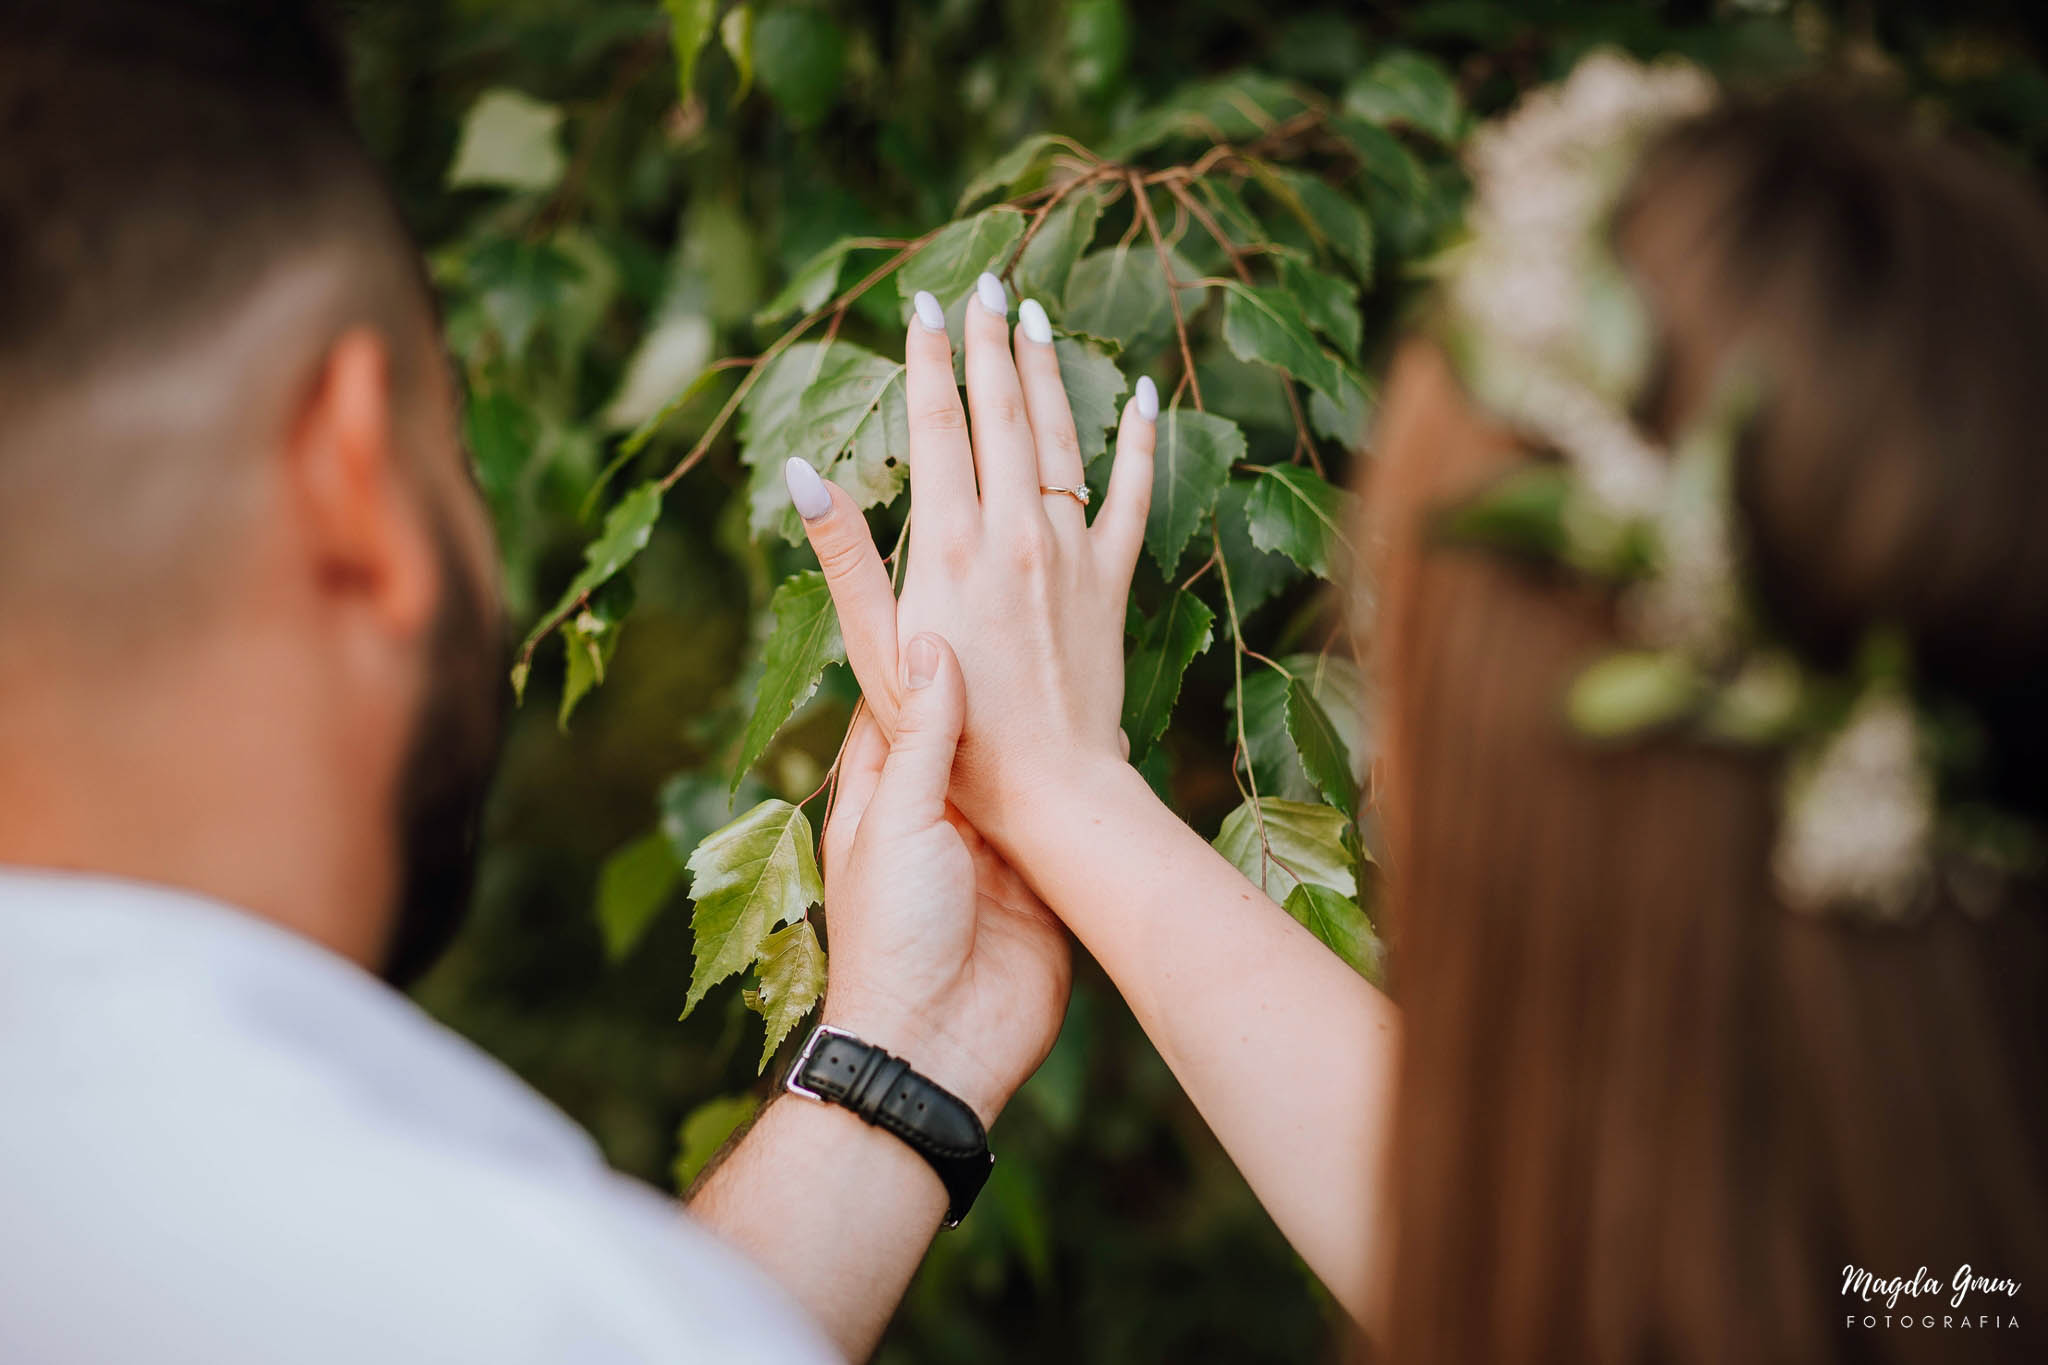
pixel 1180 325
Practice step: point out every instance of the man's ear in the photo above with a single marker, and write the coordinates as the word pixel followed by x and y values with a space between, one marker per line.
pixel 366 531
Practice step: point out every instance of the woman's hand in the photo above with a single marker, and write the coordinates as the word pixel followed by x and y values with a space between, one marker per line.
pixel 1031 597
pixel 940 953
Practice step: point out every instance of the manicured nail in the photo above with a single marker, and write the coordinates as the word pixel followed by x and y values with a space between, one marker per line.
pixel 992 294
pixel 921 660
pixel 1148 399
pixel 1037 325
pixel 806 489
pixel 928 311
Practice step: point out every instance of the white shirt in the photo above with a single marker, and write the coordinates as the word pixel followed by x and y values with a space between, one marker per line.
pixel 220 1143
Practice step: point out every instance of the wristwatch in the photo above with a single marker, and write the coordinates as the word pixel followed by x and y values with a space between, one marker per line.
pixel 837 1068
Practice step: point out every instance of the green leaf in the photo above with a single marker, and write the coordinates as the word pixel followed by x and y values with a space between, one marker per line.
pixel 632 887
pixel 949 263
pixel 1331 217
pixel 1009 169
pixel 792 979
pixel 1119 293
pixel 519 284
pixel 736 32
pixel 1321 749
pixel 1411 89
pixel 757 872
pixel 1295 512
pixel 1231 109
pixel 840 407
pixel 806 639
pixel 1190 462
pixel 689 28
pixel 1093 384
pixel 812 286
pixel 800 57
pixel 1274 750
pixel 1229 210
pixel 1632 691
pixel 627 528
pixel 693 804
pixel 705 1130
pixel 1329 304
pixel 1304 843
pixel 502 432
pixel 510 140
pixel 1346 418
pixel 1342 927
pixel 1048 258
pixel 1255 574
pixel 1267 327
pixel 589 641
pixel 1166 644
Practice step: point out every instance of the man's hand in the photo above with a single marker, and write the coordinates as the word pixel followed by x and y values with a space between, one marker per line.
pixel 940 953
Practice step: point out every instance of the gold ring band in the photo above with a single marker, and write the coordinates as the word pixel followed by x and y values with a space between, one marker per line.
pixel 1078 492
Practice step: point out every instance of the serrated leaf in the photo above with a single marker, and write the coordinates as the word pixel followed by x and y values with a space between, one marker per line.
pixel 1166 644
pixel 792 977
pixel 757 872
pixel 1304 843
pixel 633 885
pixel 1191 459
pixel 1093 384
pixel 1273 750
pixel 627 529
pixel 1411 89
pixel 1119 293
pixel 1346 418
pixel 1048 258
pixel 689 28
pixel 1329 304
pixel 1267 327
pixel 805 640
pixel 1008 170
pixel 1319 746
pixel 1331 217
pixel 589 643
pixel 1342 927
pixel 1297 513
pixel 1230 211
pixel 1255 574
pixel 837 405
pixel 510 140
pixel 705 1130
pixel 812 286
pixel 949 263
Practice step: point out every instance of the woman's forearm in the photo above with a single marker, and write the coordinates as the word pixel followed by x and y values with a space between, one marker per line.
pixel 1287 1053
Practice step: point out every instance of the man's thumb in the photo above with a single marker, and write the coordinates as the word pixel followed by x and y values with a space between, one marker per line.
pixel 920 764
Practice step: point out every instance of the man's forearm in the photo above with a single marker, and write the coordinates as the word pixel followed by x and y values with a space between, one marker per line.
pixel 837 1212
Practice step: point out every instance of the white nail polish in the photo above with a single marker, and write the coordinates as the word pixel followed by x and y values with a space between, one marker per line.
pixel 928 311
pixel 1037 325
pixel 992 294
pixel 806 489
pixel 1148 398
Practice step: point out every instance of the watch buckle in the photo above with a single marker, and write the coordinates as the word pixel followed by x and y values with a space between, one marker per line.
pixel 803 1059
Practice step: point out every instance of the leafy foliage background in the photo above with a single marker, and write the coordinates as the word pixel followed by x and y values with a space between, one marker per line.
pixel 612 207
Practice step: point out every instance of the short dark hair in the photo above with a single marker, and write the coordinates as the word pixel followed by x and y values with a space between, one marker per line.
pixel 156 158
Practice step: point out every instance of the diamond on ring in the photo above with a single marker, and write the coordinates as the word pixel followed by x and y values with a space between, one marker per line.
pixel 1078 492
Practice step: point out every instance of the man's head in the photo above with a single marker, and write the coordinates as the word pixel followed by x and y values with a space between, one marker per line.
pixel 241 560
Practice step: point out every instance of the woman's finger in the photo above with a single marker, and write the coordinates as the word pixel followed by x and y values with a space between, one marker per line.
pixel 941 461
pixel 1004 459
pixel 1051 417
pixel 1119 529
pixel 860 585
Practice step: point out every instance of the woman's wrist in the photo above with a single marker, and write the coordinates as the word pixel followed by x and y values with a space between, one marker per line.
pixel 1036 822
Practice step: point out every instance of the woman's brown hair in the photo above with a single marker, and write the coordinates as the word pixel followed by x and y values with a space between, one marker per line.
pixel 1647 1113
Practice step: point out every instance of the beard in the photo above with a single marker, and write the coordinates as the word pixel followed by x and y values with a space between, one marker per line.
pixel 451 758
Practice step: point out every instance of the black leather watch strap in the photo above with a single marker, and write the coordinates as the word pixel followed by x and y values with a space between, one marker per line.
pixel 840 1069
